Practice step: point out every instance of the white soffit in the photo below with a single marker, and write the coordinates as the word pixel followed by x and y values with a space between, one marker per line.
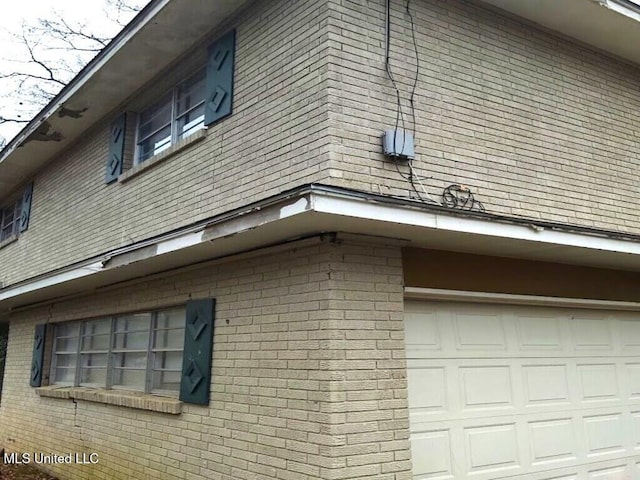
pixel 161 33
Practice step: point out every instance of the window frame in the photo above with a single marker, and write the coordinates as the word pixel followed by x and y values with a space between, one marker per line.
pixel 175 116
pixel 150 351
pixel 15 222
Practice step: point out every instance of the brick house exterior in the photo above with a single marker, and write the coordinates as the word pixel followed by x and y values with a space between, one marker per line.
pixel 370 317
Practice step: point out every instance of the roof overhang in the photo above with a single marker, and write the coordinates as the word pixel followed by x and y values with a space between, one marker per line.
pixel 610 25
pixel 154 39
pixel 317 209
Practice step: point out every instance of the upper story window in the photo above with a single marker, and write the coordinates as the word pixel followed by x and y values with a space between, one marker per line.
pixel 10 220
pixel 179 113
pixel 202 99
pixel 15 214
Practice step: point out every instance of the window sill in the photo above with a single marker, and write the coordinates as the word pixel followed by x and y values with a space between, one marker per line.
pixel 120 398
pixel 162 156
pixel 8 241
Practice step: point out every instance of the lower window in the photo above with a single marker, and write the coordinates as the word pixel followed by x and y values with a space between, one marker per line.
pixel 138 351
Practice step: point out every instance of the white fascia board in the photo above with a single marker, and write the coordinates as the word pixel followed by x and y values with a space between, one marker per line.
pixel 357 208
pixel 52 280
pixel 333 208
pixel 175 242
pixel 443 295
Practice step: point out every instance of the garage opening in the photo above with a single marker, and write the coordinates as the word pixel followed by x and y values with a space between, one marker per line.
pixel 500 391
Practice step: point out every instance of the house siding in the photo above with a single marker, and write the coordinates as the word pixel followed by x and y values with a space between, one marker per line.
pixel 308 380
pixel 535 124
pixel 276 137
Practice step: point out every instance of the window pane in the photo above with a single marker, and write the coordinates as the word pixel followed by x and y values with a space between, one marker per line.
pixel 173 318
pixel 190 93
pixel 154 144
pixel 168 361
pixel 129 379
pixel 169 339
pixel 191 121
pixel 8 224
pixel 134 322
pixel 130 360
pixel 65 375
pixel 169 331
pixel 132 332
pixel 66 337
pixel 66 361
pixel 96 335
pixel 96 377
pixel 65 350
pixel 131 341
pixel 168 381
pixel 156 117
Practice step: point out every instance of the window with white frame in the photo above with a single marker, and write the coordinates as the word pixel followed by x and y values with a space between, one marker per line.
pixel 178 114
pixel 138 351
pixel 10 220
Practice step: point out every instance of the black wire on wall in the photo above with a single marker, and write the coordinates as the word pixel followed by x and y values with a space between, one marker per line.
pixel 453 196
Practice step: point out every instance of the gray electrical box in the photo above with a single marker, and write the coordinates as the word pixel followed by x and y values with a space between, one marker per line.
pixel 398 144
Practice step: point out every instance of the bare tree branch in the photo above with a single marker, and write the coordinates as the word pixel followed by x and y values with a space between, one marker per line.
pixel 54 50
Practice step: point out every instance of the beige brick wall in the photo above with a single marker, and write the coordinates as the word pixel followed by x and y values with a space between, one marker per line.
pixel 535 123
pixel 308 382
pixel 276 137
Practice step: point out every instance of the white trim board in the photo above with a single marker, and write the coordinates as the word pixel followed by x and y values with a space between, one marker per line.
pixel 442 295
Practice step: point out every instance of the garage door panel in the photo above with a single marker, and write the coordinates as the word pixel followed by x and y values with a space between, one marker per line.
pixel 632 384
pixel 598 382
pixel 552 440
pixel 604 434
pixel 612 473
pixel 479 331
pixel 432 451
pixel 629 336
pixel 591 333
pixel 492 448
pixel 546 384
pixel 558 397
pixel 486 387
pixel 542 333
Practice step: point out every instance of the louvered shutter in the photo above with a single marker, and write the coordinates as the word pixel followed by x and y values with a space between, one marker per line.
pixel 115 160
pixel 219 82
pixel 25 210
pixel 37 362
pixel 198 347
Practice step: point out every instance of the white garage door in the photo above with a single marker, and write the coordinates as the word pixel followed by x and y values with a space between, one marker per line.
pixel 506 392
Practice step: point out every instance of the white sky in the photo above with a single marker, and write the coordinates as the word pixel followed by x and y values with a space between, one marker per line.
pixel 88 12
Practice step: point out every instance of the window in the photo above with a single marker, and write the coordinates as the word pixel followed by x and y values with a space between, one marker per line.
pixel 10 220
pixel 178 114
pixel 139 351
pixel 202 100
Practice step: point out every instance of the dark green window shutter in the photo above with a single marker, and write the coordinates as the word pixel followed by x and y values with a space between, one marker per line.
pixel 198 347
pixel 116 149
pixel 219 86
pixel 37 361
pixel 25 211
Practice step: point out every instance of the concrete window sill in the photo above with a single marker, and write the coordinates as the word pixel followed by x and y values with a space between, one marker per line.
pixel 120 398
pixel 162 156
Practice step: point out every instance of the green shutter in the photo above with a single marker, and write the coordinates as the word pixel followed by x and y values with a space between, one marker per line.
pixel 37 362
pixel 116 149
pixel 219 86
pixel 25 211
pixel 198 347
